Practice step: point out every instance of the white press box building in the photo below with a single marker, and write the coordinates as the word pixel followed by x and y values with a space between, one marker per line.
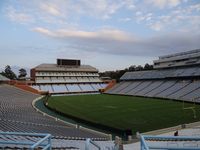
pixel 187 58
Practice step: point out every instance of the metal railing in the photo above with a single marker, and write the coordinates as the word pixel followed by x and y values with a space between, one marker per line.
pixel 179 142
pixel 88 142
pixel 25 140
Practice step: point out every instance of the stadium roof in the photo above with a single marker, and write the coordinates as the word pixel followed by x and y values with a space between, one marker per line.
pixel 196 51
pixel 2 78
pixel 55 67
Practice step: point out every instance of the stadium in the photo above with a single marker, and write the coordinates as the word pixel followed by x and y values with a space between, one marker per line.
pixel 67 106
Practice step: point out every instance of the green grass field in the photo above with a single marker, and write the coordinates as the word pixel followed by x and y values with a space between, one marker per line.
pixel 124 112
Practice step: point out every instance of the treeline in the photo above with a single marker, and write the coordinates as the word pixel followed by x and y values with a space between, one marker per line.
pixel 8 73
pixel 118 73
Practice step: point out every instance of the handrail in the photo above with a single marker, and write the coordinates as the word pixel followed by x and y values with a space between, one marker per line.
pixel 146 146
pixel 143 143
pixel 172 138
pixel 23 133
pixel 88 142
pixel 44 142
pixel 47 137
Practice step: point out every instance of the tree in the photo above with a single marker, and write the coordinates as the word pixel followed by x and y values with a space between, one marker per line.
pixel 148 67
pixel 139 68
pixel 9 73
pixel 22 73
pixel 132 68
pixel 118 73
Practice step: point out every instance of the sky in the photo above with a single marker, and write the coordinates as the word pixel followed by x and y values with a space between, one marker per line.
pixel 107 34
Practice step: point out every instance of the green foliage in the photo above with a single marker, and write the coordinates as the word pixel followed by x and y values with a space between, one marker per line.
pixel 118 73
pixel 9 73
pixel 124 112
pixel 22 73
pixel 113 74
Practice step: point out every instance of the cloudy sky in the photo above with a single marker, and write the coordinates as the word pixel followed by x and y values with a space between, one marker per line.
pixel 108 34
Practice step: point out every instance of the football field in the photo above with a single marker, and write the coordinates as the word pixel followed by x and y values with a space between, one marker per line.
pixel 125 112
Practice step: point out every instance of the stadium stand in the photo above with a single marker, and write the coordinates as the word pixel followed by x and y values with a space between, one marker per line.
pixel 179 81
pixel 187 58
pixel 18 115
pixel 67 76
pixel 174 77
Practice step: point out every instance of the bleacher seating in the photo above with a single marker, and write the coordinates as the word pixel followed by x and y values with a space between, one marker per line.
pixel 59 88
pixel 175 76
pixel 161 88
pixel 66 74
pixel 122 86
pixel 73 88
pixel 149 88
pixel 37 87
pixel 129 87
pixel 18 115
pixel 140 87
pixel 86 87
pixel 187 90
pixel 172 89
pixel 70 77
pixel 162 74
pixel 59 84
pixel 70 88
pixel 193 96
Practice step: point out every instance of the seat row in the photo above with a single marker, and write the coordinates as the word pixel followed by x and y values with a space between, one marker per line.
pixel 66 79
pixel 70 88
pixel 18 115
pixel 161 74
pixel 187 90
pixel 72 74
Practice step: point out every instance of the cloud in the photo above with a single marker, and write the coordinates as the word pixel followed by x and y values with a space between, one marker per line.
pixel 165 3
pixel 125 19
pixel 104 28
pixel 140 17
pixel 103 9
pixel 181 18
pixel 157 26
pixel 103 34
pixel 70 13
pixel 50 8
pixel 20 17
pixel 44 31
pixel 61 19
pixel 62 12
pixel 121 43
